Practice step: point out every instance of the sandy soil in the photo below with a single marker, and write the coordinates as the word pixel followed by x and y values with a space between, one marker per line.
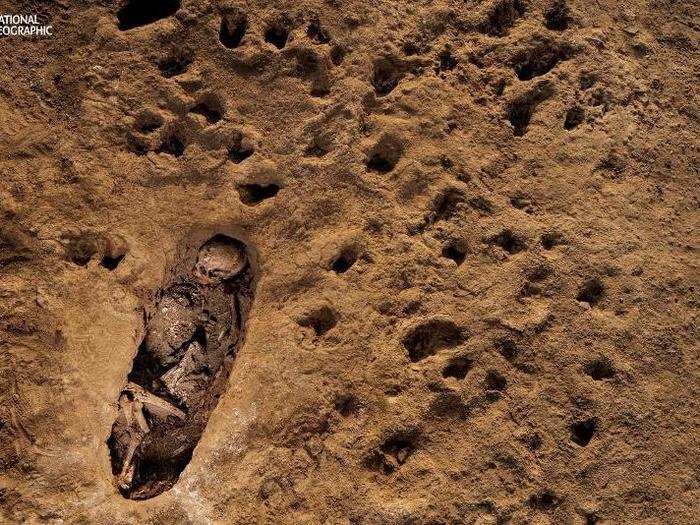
pixel 473 227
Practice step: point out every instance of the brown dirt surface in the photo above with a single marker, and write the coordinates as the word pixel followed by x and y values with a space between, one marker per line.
pixel 472 227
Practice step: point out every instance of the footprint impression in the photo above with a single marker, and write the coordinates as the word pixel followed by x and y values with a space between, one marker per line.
pixel 181 368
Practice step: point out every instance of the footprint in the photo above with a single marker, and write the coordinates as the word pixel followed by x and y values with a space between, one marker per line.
pixel 181 368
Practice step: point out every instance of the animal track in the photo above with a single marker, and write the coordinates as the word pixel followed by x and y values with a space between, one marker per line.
pixel 136 13
pixel 431 336
pixel 181 368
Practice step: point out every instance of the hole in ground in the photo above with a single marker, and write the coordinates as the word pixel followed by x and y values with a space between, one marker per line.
pixel 495 381
pixel 431 336
pixel 252 194
pixel 321 320
pixel 346 404
pixel 238 149
pixel 385 154
pixel 111 263
pixel 83 248
pixel 574 117
pixel 337 54
pixel 277 33
pixel 443 207
pixel 136 13
pixel 344 261
pixel 386 75
pixel 319 146
pixel 520 110
pixel 172 144
pixel 148 122
pixel 210 108
pixel 136 144
pixel 316 32
pixel 551 239
pixel 508 348
pixel 599 369
pixel 393 453
pixel 507 240
pixel 591 292
pixel 540 60
pixel 502 16
pixel 582 431
pixel 557 15
pixel 456 251
pixel 544 500
pixel 457 368
pixel 175 65
pixel 446 61
pixel 115 251
pixel 234 24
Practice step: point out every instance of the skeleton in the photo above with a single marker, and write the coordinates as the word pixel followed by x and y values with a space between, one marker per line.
pixel 166 402
pixel 131 405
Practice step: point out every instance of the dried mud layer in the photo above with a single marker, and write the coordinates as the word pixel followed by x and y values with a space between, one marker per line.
pixel 389 262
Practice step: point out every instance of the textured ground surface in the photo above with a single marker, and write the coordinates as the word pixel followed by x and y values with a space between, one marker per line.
pixel 475 234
